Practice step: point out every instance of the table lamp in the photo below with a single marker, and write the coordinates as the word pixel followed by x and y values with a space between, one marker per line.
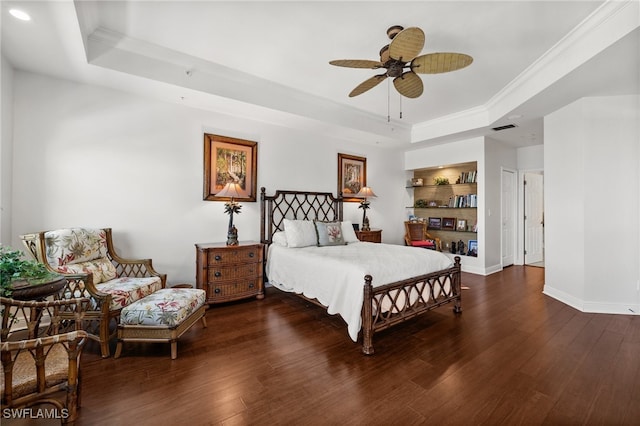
pixel 364 193
pixel 231 190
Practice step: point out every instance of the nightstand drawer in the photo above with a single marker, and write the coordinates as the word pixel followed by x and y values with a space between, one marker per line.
pixel 372 236
pixel 221 273
pixel 235 289
pixel 238 255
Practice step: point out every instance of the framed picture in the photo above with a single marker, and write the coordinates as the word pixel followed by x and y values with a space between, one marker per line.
pixel 229 160
pixel 434 223
pixel 352 176
pixel 462 225
pixel 449 223
pixel 473 248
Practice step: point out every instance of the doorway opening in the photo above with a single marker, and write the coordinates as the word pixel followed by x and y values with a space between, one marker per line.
pixel 533 238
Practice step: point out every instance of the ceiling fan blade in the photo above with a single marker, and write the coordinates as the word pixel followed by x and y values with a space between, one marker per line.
pixel 435 63
pixel 409 85
pixel 356 63
pixel 407 44
pixel 367 84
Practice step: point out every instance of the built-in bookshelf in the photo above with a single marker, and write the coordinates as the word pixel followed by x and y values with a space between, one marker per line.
pixel 447 199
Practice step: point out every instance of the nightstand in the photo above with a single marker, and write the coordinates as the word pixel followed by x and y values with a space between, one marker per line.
pixel 229 273
pixel 372 236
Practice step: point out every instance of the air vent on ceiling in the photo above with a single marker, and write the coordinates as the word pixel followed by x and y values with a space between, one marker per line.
pixel 505 127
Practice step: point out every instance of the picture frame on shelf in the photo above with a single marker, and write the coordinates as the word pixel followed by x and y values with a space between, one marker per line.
pixel 472 248
pixel 417 182
pixel 228 159
pixel 461 225
pixel 352 176
pixel 449 223
pixel 434 223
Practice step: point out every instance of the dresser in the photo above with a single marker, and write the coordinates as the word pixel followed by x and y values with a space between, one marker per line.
pixel 229 273
pixel 372 236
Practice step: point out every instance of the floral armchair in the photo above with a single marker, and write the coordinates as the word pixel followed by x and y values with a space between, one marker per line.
pixel 87 258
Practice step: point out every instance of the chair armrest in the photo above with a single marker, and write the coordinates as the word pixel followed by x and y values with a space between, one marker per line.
pixel 136 268
pixel 43 341
pixel 82 286
pixel 79 301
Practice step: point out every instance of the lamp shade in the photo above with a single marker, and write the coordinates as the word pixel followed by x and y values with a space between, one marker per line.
pixel 231 190
pixel 365 192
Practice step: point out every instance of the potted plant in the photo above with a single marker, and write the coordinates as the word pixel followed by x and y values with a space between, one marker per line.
pixel 25 279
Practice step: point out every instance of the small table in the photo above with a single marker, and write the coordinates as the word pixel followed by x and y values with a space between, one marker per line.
pixel 372 236
pixel 230 273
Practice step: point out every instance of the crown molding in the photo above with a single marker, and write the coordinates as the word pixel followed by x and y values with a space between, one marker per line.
pixel 116 51
pixel 607 24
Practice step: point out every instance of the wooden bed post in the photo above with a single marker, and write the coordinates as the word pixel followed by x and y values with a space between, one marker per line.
pixel 457 288
pixel 367 316
pixel 262 216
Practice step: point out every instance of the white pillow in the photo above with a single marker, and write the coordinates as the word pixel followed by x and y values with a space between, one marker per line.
pixel 280 238
pixel 348 233
pixel 300 233
pixel 329 234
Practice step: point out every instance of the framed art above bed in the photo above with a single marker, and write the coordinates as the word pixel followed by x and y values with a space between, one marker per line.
pixel 352 176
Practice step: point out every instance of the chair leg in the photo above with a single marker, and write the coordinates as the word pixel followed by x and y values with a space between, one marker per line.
pixel 174 349
pixel 118 349
pixel 104 338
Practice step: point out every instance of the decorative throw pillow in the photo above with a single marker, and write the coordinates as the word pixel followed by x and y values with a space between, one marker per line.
pixel 348 233
pixel 102 269
pixel 329 234
pixel 300 233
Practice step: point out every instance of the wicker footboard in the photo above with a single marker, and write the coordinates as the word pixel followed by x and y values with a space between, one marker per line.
pixel 393 303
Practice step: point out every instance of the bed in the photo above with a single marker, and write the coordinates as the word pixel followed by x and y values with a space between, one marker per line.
pixel 371 286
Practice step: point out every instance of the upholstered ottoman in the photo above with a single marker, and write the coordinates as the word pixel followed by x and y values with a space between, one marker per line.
pixel 162 316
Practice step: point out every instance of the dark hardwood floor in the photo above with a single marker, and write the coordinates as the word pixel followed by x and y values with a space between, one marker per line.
pixel 514 356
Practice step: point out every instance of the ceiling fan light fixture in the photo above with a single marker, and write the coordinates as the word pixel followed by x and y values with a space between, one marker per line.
pixel 384 54
pixel 394 30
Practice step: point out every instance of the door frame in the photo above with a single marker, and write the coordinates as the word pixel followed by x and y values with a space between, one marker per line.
pixel 514 213
pixel 520 258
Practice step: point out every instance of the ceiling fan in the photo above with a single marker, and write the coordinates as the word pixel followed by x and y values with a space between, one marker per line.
pixel 401 54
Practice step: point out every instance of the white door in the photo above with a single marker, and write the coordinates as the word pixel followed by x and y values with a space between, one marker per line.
pixel 533 218
pixel 508 216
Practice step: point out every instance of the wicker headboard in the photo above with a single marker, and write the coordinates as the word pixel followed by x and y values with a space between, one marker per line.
pixel 299 205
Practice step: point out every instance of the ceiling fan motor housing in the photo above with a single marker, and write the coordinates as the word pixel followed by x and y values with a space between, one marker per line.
pixel 394 68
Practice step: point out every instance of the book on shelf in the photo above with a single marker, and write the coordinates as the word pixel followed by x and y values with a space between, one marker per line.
pixel 462 201
pixel 468 177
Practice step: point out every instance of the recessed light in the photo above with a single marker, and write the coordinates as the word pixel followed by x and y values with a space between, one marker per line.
pixel 20 14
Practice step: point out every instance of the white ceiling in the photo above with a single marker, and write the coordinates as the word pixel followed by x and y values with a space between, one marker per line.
pixel 270 59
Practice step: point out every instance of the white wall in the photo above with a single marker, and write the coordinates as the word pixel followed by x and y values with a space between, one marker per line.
pixel 592 192
pixel 531 157
pixel 90 156
pixel 6 149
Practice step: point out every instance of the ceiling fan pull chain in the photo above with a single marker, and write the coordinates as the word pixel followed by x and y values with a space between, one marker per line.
pixel 400 107
pixel 388 101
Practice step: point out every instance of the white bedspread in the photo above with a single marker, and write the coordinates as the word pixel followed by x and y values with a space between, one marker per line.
pixel 334 275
